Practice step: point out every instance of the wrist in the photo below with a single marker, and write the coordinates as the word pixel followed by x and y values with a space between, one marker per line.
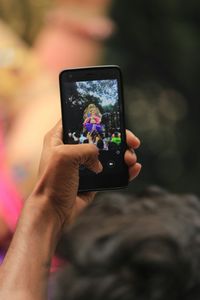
pixel 31 249
pixel 41 211
pixel 52 202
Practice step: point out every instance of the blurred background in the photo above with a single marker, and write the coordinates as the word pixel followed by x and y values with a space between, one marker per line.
pixel 157 45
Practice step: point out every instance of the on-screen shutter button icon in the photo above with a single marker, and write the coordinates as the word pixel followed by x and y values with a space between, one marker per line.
pixel 111 164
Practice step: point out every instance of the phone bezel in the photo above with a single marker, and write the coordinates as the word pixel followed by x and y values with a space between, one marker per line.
pixel 98 73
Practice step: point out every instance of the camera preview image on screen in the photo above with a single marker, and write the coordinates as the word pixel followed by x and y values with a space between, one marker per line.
pixel 93 113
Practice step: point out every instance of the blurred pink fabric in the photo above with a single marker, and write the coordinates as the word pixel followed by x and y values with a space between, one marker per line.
pixel 10 200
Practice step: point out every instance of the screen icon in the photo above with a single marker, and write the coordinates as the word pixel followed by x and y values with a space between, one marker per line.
pixel 111 164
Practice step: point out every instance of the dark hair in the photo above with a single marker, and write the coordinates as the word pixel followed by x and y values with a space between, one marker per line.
pixel 86 141
pixel 100 144
pixel 125 247
pixel 116 134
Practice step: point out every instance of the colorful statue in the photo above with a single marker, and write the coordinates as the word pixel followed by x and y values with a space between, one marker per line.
pixel 92 119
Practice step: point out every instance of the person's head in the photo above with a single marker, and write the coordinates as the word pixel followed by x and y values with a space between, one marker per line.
pixel 100 144
pixel 134 248
pixel 86 141
pixel 116 134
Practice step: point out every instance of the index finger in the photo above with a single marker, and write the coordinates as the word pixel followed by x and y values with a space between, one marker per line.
pixel 132 140
pixel 54 136
pixel 57 129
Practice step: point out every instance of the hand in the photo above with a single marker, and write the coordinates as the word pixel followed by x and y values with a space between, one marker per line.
pixel 130 157
pixel 59 172
pixel 131 160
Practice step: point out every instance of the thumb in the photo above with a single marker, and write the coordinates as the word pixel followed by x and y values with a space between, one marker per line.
pixel 94 165
pixel 89 158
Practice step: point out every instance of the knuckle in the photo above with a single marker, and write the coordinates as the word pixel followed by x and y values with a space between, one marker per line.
pixel 74 155
pixel 65 154
pixel 57 154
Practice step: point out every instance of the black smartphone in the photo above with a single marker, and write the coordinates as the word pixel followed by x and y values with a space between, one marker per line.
pixel 93 112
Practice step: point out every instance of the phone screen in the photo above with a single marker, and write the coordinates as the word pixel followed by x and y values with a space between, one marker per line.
pixel 92 113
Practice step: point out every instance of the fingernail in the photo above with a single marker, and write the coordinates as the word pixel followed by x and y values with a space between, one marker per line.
pixel 138 140
pixel 138 172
